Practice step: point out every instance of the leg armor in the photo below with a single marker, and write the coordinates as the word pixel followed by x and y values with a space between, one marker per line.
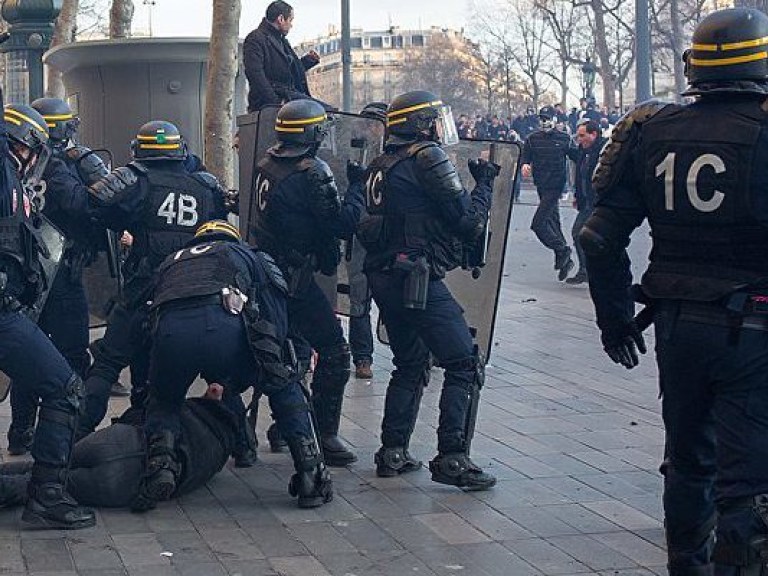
pixel 402 406
pixel 742 543
pixel 328 383
pixel 49 504
pixel 162 472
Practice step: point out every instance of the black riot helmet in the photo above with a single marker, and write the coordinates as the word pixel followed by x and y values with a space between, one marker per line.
pixel 301 126
pixel 729 52
pixel 62 123
pixel 421 115
pixel 377 110
pixel 216 230
pixel 159 140
pixel 27 134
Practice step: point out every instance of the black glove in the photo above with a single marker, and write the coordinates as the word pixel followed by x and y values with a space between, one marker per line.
pixel 355 172
pixel 622 343
pixel 483 171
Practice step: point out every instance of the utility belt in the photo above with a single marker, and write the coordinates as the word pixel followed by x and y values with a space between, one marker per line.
pixel 229 298
pixel 416 275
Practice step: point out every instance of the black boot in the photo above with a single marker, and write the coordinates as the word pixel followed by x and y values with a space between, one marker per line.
pixel 14 481
pixel 328 413
pixel 579 278
pixel 20 441
pixel 312 482
pixel 277 443
pixel 564 264
pixel 456 469
pixel 159 481
pixel 50 506
pixel 393 461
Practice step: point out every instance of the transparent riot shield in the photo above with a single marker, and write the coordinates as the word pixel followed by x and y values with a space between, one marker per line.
pixel 476 284
pixel 350 138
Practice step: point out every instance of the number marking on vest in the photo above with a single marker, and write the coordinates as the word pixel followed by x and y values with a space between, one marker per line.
pixel 180 209
pixel 667 169
pixel 194 251
pixel 372 187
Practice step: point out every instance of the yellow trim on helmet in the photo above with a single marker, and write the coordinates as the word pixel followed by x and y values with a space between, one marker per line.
pixel 24 117
pixel 396 122
pixel 414 108
pixel 730 61
pixel 732 45
pixel 159 146
pixel 304 122
pixel 154 138
pixel 224 227
pixel 293 130
pixel 12 120
pixel 57 117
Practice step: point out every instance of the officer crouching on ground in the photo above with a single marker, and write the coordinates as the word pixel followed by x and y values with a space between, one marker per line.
pixel 418 217
pixel 26 354
pixel 219 311
pixel 65 315
pixel 161 205
pixel 699 174
pixel 298 219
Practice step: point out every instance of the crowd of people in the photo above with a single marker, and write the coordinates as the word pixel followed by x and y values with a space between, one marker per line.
pixel 199 300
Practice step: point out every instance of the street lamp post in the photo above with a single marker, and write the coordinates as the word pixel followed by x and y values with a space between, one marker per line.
pixel 346 58
pixel 31 27
pixel 588 76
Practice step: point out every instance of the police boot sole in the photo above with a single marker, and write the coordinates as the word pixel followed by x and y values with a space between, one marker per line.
pixel 468 485
pixel 161 487
pixel 37 521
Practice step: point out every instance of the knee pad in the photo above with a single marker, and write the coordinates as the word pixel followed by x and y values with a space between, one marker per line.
pixel 410 378
pixel 466 373
pixel 332 371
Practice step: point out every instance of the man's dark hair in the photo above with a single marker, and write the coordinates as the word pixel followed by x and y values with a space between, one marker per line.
pixel 278 8
pixel 590 126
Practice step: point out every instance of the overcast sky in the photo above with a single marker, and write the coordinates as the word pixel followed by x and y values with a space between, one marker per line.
pixel 193 17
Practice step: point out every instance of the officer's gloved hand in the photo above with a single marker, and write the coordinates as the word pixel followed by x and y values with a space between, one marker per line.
pixel 355 172
pixel 483 171
pixel 622 343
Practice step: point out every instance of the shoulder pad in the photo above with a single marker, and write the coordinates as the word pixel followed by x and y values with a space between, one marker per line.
pixel 89 165
pixel 273 272
pixel 619 147
pixel 207 179
pixel 113 183
pixel 74 153
pixel 436 172
pixel 318 168
pixel 139 167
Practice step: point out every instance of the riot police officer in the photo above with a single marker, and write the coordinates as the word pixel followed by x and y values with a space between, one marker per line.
pixel 220 312
pixel 298 219
pixel 698 173
pixel 418 217
pixel 65 316
pixel 161 205
pixel 26 354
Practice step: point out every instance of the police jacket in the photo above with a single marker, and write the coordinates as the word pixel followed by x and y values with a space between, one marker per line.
pixel 298 214
pixel 274 71
pixel 161 205
pixel 416 206
pixel 545 150
pixel 698 174
pixel 108 465
pixel 585 160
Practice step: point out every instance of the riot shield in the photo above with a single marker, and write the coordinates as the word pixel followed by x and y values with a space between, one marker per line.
pixel 50 253
pixel 476 285
pixel 351 137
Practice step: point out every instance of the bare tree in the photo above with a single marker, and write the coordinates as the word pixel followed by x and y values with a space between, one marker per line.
pixel 120 18
pixel 531 53
pixel 446 68
pixel 761 5
pixel 220 91
pixel 63 33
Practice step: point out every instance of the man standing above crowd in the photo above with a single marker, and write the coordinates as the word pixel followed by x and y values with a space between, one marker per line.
pixel 275 73
pixel 585 156
pixel 544 158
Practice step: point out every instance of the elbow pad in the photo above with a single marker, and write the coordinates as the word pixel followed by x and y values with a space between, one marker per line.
pixel 437 173
pixel 114 183
pixel 90 166
pixel 604 235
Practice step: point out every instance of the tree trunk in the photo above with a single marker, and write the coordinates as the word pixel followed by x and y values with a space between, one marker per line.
pixel 677 51
pixel 220 92
pixel 603 54
pixel 120 18
pixel 63 33
pixel 564 83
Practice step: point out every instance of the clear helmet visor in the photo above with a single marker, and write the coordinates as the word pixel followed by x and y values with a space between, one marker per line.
pixel 446 126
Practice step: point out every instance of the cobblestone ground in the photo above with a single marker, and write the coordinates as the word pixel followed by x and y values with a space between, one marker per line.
pixel 574 440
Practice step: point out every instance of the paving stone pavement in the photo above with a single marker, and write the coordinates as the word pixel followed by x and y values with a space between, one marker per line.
pixel 574 440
